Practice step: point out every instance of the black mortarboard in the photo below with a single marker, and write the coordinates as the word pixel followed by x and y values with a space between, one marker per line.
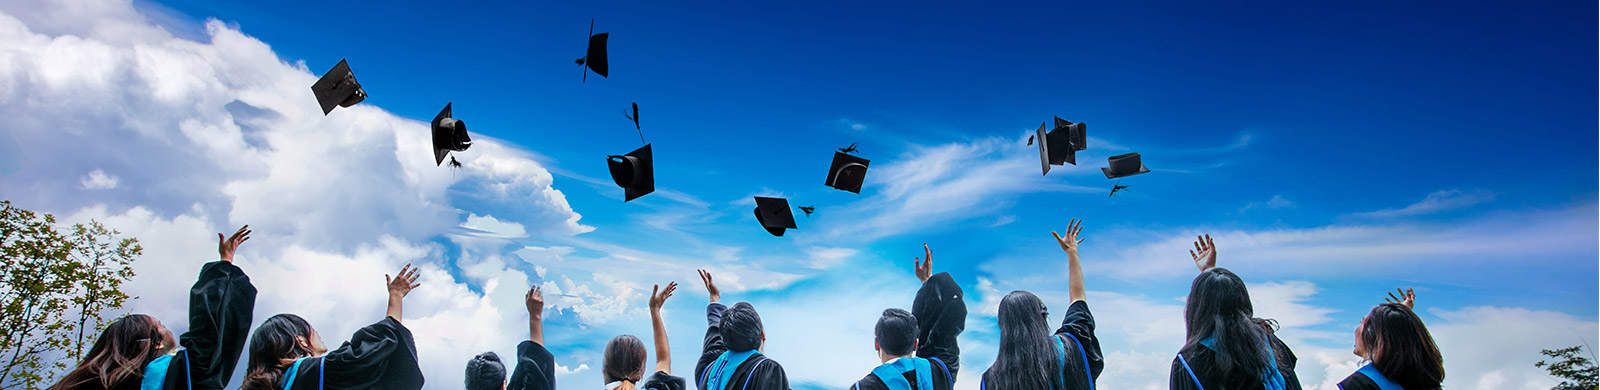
pixel 774 214
pixel 338 87
pixel 1060 145
pixel 847 172
pixel 449 134
pixel 633 172
pixel 1124 165
pixel 595 57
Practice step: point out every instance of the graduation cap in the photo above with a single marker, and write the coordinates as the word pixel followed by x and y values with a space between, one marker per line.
pixel 774 214
pixel 633 172
pixel 595 57
pixel 449 134
pixel 338 87
pixel 1124 165
pixel 1060 145
pixel 847 172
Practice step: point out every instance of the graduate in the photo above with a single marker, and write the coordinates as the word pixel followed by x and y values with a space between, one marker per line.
pixel 1033 358
pixel 1227 346
pixel 486 372
pixel 1400 352
pixel 536 366
pixel 938 315
pixel 625 359
pixel 137 352
pixel 730 358
pixel 286 353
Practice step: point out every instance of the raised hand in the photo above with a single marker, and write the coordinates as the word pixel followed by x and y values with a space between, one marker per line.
pixel 705 276
pixel 925 264
pixel 535 301
pixel 1407 297
pixel 402 284
pixel 226 247
pixel 1070 243
pixel 659 296
pixel 1204 253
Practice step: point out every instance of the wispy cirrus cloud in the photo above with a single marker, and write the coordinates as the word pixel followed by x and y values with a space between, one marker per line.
pixel 1437 202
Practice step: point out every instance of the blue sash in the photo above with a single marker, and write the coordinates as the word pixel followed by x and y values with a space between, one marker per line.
pixel 1273 380
pixel 155 373
pixel 294 370
pixel 724 367
pixel 1383 382
pixel 893 374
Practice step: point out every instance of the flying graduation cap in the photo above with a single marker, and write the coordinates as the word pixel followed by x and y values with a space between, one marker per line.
pixel 595 57
pixel 774 215
pixel 338 87
pixel 633 172
pixel 1060 145
pixel 1124 165
pixel 847 172
pixel 449 134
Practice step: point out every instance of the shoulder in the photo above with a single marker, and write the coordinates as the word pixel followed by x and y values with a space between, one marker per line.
pixel 664 381
pixel 531 350
pixel 1357 381
pixel 870 382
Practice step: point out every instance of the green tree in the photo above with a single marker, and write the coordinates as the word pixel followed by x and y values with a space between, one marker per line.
pixel 54 288
pixel 1578 372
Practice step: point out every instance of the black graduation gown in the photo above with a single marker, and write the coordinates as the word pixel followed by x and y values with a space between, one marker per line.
pixel 664 381
pixel 380 356
pixel 1079 322
pixel 220 306
pixel 536 368
pixel 1200 359
pixel 1358 381
pixel 941 316
pixel 757 373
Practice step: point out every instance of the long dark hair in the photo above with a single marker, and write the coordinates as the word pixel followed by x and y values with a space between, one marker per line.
pixel 119 355
pixel 1219 307
pixel 273 347
pixel 1027 360
pixel 624 360
pixel 1401 347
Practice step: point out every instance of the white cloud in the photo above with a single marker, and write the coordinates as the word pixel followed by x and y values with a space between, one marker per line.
pixel 99 180
pixel 1436 202
pixel 489 226
pixel 825 257
pixel 564 371
pixel 1277 202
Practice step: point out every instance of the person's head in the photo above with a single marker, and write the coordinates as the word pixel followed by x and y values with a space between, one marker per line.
pixel 1219 308
pixel 274 346
pixel 1399 345
pixel 895 335
pixel 741 328
pixel 1026 360
pixel 486 372
pixel 121 352
pixel 624 359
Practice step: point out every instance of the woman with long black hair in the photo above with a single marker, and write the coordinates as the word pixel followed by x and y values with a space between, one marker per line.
pixel 286 353
pixel 1227 347
pixel 1400 352
pixel 1031 356
pixel 138 352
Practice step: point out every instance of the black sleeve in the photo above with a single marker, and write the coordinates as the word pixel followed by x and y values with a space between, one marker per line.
pixel 1080 324
pixel 220 305
pixel 663 381
pixel 1179 378
pixel 380 356
pixel 712 346
pixel 1286 363
pixel 536 368
pixel 941 316
pixel 768 376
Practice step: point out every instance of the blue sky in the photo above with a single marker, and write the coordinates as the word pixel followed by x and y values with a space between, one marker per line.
pixel 1336 152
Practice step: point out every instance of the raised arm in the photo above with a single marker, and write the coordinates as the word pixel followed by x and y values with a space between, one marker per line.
pixel 535 302
pixel 1204 253
pixel 1407 298
pixel 1069 244
pixel 941 315
pixel 712 346
pixel 220 307
pixel 399 286
pixel 658 297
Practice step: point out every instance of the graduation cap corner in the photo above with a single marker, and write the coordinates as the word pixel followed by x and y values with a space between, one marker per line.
pixel 338 88
pixel 848 172
pixel 634 172
pixel 774 214
pixel 449 134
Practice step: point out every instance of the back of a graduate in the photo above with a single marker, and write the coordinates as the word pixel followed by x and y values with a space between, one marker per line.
pixel 730 357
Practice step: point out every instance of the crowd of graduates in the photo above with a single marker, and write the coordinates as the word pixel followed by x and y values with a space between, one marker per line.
pixel 1226 345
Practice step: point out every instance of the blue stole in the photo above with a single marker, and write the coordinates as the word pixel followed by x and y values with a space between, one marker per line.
pixel 1383 382
pixel 294 370
pixel 893 373
pixel 724 367
pixel 1273 380
pixel 155 373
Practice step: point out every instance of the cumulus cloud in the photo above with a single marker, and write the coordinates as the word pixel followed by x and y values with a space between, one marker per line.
pixel 99 180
